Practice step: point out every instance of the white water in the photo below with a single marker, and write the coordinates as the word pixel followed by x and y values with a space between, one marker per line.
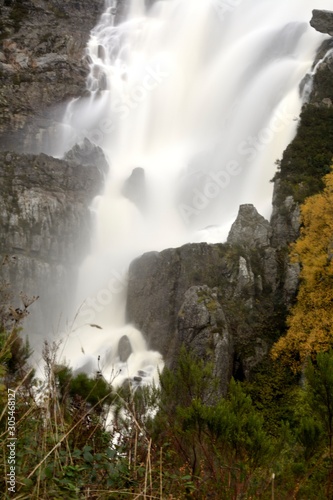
pixel 202 94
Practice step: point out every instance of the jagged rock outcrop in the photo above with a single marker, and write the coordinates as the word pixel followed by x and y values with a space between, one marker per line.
pixel 250 229
pixel 322 93
pixel 221 300
pixel 41 66
pixel 157 286
pixel 322 21
pixel 45 224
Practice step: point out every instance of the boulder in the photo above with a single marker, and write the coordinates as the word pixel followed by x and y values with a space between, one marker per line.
pixel 134 188
pixel 124 348
pixel 157 286
pixel 322 21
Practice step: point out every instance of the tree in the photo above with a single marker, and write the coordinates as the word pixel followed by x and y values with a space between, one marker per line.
pixel 315 431
pixel 222 441
pixel 319 377
pixel 311 320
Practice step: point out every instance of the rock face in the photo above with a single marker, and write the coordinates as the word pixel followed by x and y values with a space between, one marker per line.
pixel 202 328
pixel 46 228
pixel 290 186
pixel 41 66
pixel 44 214
pixel 322 21
pixel 285 219
pixel 222 300
pixel 157 286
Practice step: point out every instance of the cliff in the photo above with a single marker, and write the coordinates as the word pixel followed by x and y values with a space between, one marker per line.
pixel 44 214
pixel 224 301
pixel 42 66
pixel 45 230
pixel 309 156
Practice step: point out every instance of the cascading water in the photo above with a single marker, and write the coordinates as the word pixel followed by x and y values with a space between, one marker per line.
pixel 201 98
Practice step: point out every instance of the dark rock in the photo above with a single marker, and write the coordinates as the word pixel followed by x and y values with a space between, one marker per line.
pixel 124 348
pixel 220 292
pixel 157 286
pixel 135 188
pixel 322 21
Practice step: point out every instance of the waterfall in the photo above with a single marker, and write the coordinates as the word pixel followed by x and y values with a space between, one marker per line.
pixel 192 104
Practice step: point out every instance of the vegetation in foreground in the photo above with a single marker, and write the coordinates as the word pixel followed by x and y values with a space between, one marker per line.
pixel 175 442
pixel 271 437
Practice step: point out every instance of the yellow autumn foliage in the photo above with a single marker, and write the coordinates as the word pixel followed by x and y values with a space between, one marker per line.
pixel 311 320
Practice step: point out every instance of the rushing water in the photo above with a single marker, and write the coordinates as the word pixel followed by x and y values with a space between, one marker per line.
pixel 204 96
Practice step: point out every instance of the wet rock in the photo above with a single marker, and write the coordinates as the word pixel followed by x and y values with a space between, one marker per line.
pixel 245 278
pixel 87 154
pixel 135 188
pixel 121 10
pixel 322 21
pixel 124 348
